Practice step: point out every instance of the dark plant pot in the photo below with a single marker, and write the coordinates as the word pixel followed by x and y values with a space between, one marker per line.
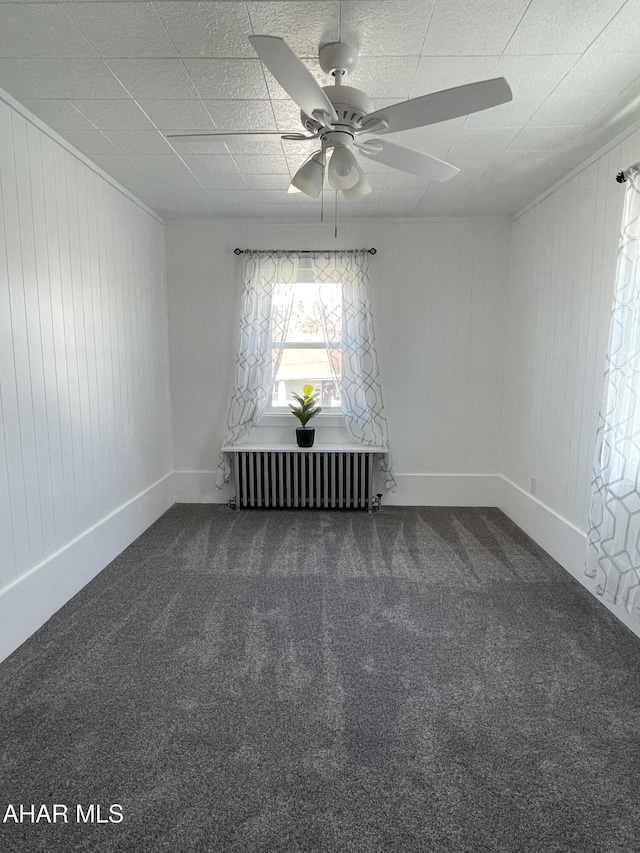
pixel 305 437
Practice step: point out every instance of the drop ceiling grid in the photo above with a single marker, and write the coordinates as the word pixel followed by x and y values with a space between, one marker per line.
pixel 114 77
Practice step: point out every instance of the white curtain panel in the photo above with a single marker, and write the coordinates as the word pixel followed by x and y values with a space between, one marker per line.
pixel 613 555
pixel 347 315
pixel 263 328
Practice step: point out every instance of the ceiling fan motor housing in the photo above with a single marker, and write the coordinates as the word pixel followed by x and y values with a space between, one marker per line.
pixel 350 104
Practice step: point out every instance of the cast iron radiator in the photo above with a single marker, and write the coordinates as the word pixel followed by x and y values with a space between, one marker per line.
pixel 313 479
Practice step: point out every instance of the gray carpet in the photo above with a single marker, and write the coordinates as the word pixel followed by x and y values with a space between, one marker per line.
pixel 272 681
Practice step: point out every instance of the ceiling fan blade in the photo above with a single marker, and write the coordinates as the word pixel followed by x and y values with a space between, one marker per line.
pixel 407 160
pixel 294 77
pixel 439 106
pixel 248 136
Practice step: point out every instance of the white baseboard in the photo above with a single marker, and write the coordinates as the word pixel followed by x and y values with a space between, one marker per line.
pixel 33 599
pixel 412 490
pixel 565 542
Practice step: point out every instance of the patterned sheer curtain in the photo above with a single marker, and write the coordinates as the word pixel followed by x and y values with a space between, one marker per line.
pixel 346 317
pixel 263 327
pixel 613 556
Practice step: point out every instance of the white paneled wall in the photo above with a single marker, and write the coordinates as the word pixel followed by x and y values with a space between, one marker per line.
pixel 563 259
pixel 438 296
pixel 85 413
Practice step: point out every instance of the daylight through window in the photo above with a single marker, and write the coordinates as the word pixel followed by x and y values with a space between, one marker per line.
pixel 312 350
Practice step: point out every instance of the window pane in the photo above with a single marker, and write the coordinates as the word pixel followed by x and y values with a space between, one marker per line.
pixel 300 364
pixel 306 320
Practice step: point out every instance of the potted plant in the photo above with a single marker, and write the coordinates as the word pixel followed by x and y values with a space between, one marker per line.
pixel 306 409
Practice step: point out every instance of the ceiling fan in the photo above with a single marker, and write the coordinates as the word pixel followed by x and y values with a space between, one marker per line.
pixel 339 116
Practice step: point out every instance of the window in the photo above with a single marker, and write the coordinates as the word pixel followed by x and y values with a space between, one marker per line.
pixel 329 344
pixel 312 349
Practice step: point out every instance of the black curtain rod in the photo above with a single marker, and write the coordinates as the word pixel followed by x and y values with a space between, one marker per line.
pixel 303 251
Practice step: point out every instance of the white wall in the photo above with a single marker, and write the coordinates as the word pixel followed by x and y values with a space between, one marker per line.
pixel 563 257
pixel 437 288
pixel 85 432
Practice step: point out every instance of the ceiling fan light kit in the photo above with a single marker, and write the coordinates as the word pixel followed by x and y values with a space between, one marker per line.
pixel 343 169
pixel 310 176
pixel 338 115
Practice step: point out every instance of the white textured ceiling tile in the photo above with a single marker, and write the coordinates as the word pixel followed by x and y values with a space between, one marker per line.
pixel 623 33
pixel 222 181
pixel 195 144
pixel 287 115
pixel 516 165
pixel 203 164
pixel 241 115
pixel 569 110
pixel 543 138
pixel 303 25
pixel 385 29
pixel 444 72
pixel 81 78
pixel 159 164
pixel 230 197
pixel 22 79
pixel 284 211
pixel 223 79
pixel 399 194
pixel 139 141
pixel 255 163
pixel 114 114
pixel 208 29
pixel 549 27
pixel 534 77
pixel 515 113
pixel 277 93
pixel 28 29
pixel 296 152
pixel 482 139
pixel 261 197
pixel 266 182
pixel 451 205
pixel 398 206
pixel 446 192
pixel 242 146
pixel 384 76
pixel 435 138
pixel 460 27
pixel 177 184
pixel 122 29
pixel 397 180
pixel 154 78
pixel 186 115
pixel 601 72
pixel 59 114
pixel 90 142
pixel 565 105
